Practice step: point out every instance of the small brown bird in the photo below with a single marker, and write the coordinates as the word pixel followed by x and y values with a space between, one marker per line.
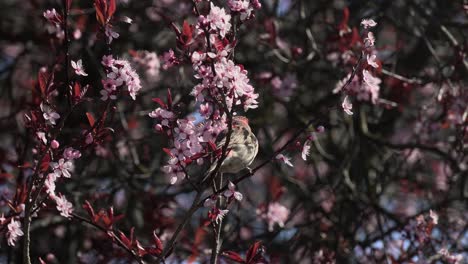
pixel 242 148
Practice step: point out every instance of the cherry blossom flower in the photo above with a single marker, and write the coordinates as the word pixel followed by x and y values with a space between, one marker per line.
pixel 242 6
pixel 64 206
pixel 52 16
pixel 370 40
pixel 284 159
pixel 50 183
pixel 120 73
pixel 347 106
pixel 219 20
pixel 371 87
pixel 71 153
pixel 275 214
pixel 78 67
pixel 306 149
pixel 220 214
pixel 49 114
pixel 14 231
pixel 169 59
pixel 110 33
pixel 62 168
pixel 368 23
pixel 149 62
pixel 371 61
pixel 54 144
pixel 174 170
pixel 2 219
pixel 231 192
pixel 107 60
pixel 42 136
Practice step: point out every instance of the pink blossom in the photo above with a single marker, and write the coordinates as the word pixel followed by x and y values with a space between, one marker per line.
pixel 71 153
pixel 54 144
pixel 371 87
pixel 241 6
pixel 2 219
pixel 52 16
pixel 169 59
pixel 149 62
pixel 14 231
pixel 231 192
pixel 284 159
pixel 371 61
pixel 219 20
pixel 368 23
pixel 306 150
pixel 49 114
pixel 50 183
pixel 370 40
pixel 174 170
pixel 347 106
pixel 42 136
pixel 78 67
pixel 106 95
pixel 107 60
pixel 110 33
pixel 62 168
pixel 122 73
pixel 220 214
pixel 64 206
pixel 275 214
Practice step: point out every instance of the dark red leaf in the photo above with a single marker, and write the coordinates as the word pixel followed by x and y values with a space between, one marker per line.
pixel 87 206
pixel 186 37
pixel 125 240
pixel 43 79
pixel 233 256
pixel 111 10
pixel 90 119
pixel 160 102
pixel 168 151
pixel 252 251
pixel 77 90
pixel 100 6
pixel 45 163
pixel 157 242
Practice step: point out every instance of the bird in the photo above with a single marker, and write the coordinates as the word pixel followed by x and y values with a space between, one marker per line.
pixel 241 151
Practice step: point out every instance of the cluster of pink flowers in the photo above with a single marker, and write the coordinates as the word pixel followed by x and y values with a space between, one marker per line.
pixel 54 23
pixel 276 213
pixel 119 72
pixel 14 232
pixel 229 82
pixel 62 168
pixel 223 86
pixel 190 140
pixel 364 86
pixel 218 20
pixel 149 62
pixel 244 7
